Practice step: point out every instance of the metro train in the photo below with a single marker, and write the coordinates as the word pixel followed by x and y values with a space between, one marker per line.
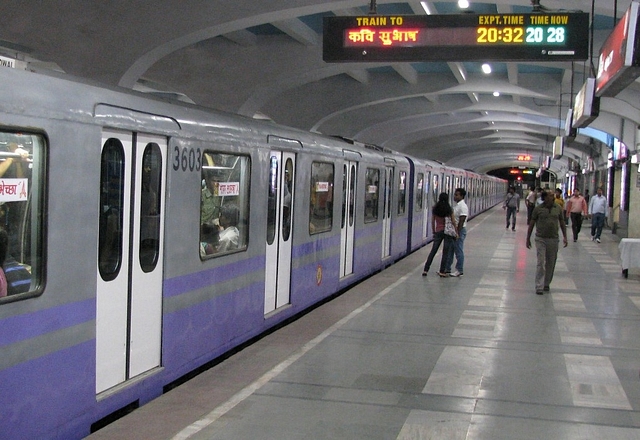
pixel 146 239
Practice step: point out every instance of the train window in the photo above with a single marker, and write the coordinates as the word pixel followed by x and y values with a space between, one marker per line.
pixel 371 195
pixel 352 199
pixel 272 197
pixel 112 181
pixel 286 204
pixel 435 188
pixel 419 191
pixel 344 194
pixel 321 200
pixel 150 207
pixel 22 165
pixel 427 182
pixel 402 193
pixel 224 204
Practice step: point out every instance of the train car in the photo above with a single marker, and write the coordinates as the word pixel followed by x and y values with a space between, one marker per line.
pixel 146 239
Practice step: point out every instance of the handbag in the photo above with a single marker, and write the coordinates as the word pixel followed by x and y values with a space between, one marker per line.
pixel 449 228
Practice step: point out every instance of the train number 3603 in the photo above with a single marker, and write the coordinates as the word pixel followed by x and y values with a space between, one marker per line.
pixel 187 159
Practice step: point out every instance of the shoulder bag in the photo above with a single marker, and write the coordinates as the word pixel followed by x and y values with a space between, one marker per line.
pixel 449 228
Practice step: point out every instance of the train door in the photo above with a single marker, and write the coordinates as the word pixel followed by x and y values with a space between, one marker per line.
pixel 130 257
pixel 347 226
pixel 386 211
pixel 279 220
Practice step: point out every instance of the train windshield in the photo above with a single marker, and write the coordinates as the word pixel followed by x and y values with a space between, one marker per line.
pixel 22 165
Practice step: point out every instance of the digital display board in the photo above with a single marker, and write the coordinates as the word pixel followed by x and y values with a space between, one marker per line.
pixel 457 37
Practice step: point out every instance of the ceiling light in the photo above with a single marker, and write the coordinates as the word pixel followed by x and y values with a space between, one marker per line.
pixel 486 68
pixel 425 6
pixel 463 4
pixel 496 94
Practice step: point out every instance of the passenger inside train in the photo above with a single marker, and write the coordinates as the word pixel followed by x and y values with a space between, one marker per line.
pixel 224 203
pixel 229 235
pixel 16 208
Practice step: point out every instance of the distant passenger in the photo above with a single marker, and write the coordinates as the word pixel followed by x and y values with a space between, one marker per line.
pixel 12 166
pixel 559 200
pixel 440 211
pixel 229 238
pixel 460 214
pixel 209 201
pixel 546 218
pixel 597 211
pixel 512 205
pixel 576 207
pixel 530 201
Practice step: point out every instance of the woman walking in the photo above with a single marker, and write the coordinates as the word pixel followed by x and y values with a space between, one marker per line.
pixel 441 211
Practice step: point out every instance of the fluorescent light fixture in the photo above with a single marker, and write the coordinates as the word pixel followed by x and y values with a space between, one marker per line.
pixel 486 68
pixel 425 6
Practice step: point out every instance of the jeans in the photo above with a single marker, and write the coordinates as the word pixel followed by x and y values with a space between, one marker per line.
pixel 438 238
pixel 597 222
pixel 510 212
pixel 458 250
pixel 547 253
pixel 530 209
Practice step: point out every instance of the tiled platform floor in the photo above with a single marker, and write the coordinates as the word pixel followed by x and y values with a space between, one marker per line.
pixel 403 356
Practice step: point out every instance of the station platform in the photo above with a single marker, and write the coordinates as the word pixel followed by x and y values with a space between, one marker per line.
pixel 401 356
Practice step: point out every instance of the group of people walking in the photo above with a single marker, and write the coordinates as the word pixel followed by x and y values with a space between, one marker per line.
pixel 547 212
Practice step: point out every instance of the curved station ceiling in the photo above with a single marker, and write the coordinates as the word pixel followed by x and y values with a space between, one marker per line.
pixel 265 59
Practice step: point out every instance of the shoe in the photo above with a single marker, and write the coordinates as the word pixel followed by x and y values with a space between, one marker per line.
pixel 513 229
pixel 443 274
pixel 546 288
pixel 455 274
pixel 574 240
pixel 593 238
pixel 424 274
pixel 539 292
pixel 597 240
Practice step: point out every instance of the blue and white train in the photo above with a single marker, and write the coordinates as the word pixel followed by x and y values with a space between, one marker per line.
pixel 148 238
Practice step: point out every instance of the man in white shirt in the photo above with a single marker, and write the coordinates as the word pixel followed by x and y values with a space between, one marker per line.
pixel 530 201
pixel 460 214
pixel 597 211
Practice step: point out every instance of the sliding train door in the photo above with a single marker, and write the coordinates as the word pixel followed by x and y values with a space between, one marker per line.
pixel 279 224
pixel 130 257
pixel 347 225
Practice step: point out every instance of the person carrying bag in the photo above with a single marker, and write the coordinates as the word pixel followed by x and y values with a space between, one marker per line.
pixel 442 214
pixel 450 228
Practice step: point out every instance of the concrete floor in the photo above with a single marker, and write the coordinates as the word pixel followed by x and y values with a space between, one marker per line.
pixel 402 356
